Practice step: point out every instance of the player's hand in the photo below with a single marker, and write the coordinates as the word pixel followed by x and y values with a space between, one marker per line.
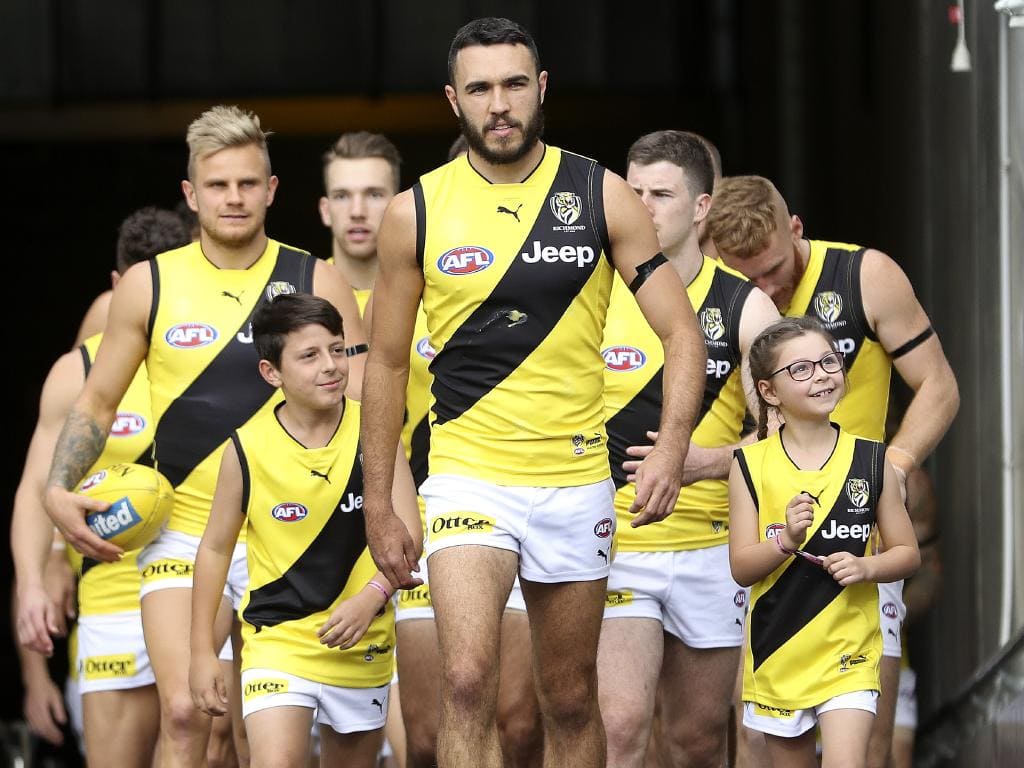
pixel 349 621
pixel 657 487
pixel 695 469
pixel 391 546
pixel 60 583
pixel 206 682
pixel 847 568
pixel 799 516
pixel 67 510
pixel 44 710
pixel 39 618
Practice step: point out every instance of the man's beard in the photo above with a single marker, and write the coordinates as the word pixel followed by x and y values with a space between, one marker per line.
pixel 507 152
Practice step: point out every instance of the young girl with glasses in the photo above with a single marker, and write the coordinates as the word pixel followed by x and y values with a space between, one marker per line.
pixel 803 505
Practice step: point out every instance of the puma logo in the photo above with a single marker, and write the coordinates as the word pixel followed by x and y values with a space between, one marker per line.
pixel 323 475
pixel 603 555
pixel 237 298
pixel 514 214
pixel 379 704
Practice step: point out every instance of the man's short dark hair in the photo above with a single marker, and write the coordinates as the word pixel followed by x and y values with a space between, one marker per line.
pixel 147 232
pixel 682 148
pixel 274 320
pixel 359 145
pixel 490 31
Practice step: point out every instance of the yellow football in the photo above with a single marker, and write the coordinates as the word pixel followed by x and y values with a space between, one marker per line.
pixel 140 499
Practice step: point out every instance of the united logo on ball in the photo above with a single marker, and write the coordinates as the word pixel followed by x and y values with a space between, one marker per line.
pixel 140 498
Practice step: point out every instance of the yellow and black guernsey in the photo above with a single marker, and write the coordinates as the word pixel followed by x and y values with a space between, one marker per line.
pixel 808 638
pixel 416 429
pixel 203 370
pixel 633 366
pixel 114 587
pixel 517 280
pixel 830 291
pixel 306 553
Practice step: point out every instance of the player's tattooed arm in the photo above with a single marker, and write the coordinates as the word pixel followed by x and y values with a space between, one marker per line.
pixel 80 443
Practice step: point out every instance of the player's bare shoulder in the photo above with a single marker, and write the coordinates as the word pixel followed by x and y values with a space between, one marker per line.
pixel 398 230
pixel 133 297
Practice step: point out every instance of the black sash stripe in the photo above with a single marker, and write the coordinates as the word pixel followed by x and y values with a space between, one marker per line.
pixel 629 426
pixel 320 573
pixel 419 451
pixel 228 392
pixel 729 293
pixel 804 590
pixel 487 348
pixel 841 273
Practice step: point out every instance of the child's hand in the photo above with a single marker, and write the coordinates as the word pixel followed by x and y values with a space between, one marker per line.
pixel 350 620
pixel 799 516
pixel 206 682
pixel 847 568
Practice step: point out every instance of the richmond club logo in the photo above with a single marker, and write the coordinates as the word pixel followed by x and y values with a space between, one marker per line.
pixel 858 491
pixel 278 288
pixel 566 206
pixel 623 358
pixel 828 305
pixel 465 260
pixel 712 324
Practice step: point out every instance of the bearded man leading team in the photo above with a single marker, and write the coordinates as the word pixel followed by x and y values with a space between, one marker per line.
pixel 512 249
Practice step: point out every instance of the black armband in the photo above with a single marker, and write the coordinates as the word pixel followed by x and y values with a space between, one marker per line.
pixel 914 343
pixel 356 349
pixel 645 270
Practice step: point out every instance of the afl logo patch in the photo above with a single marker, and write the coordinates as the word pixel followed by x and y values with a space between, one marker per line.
pixel 623 358
pixel 889 610
pixel 127 424
pixel 190 335
pixel 740 598
pixel 604 528
pixel 828 305
pixel 773 530
pixel 465 260
pixel 423 349
pixel 92 481
pixel 289 512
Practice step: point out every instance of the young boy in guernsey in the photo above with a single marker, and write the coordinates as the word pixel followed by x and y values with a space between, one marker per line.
pixel 317 621
pixel 803 504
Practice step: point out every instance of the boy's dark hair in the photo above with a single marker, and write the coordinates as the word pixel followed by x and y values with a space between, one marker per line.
pixel 274 320
pixel 147 232
pixel 681 148
pixel 358 145
pixel 489 31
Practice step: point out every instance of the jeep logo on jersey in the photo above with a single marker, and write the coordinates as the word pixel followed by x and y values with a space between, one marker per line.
pixel 889 610
pixel 127 424
pixel 604 528
pixel 711 323
pixel 857 491
pixel 289 512
pixel 566 206
pixel 120 516
pixel 773 530
pixel 92 481
pixel 423 349
pixel 351 502
pixel 717 368
pixel 580 255
pixel 842 531
pixel 465 260
pixel 828 305
pixel 623 358
pixel 190 335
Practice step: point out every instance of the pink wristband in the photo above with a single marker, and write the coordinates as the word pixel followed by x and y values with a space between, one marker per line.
pixel 379 588
pixel 778 543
